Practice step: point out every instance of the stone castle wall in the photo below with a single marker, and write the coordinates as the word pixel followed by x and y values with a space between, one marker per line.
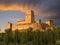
pixel 25 26
pixel 30 22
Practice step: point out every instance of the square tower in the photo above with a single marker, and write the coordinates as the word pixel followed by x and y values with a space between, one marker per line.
pixel 9 25
pixel 29 18
pixel 49 22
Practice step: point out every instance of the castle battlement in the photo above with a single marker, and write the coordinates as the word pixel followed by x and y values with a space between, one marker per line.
pixel 30 22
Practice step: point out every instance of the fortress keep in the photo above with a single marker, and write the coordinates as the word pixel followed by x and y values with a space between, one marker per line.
pixel 30 22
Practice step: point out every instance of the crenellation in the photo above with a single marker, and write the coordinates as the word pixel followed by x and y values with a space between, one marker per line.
pixel 30 22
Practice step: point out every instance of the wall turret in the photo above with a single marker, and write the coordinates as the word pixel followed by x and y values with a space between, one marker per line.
pixel 49 22
pixel 9 25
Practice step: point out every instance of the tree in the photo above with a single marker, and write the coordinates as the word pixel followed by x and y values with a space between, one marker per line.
pixel 17 37
pixel 8 36
pixel 36 37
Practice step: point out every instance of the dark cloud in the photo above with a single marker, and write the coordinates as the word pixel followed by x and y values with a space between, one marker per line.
pixel 49 8
pixel 55 18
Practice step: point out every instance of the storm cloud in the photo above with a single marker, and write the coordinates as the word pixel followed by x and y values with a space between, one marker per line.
pixel 47 8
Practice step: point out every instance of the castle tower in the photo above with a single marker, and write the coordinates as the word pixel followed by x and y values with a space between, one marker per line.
pixel 9 25
pixel 29 18
pixel 39 24
pixel 49 22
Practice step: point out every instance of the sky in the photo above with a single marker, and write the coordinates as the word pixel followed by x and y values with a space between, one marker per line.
pixel 43 9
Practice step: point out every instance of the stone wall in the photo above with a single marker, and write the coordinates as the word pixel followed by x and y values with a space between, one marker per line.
pixel 25 26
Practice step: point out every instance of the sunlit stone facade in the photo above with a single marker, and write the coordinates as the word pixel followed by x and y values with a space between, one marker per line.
pixel 30 22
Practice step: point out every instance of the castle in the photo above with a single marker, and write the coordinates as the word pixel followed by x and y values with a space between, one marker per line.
pixel 30 22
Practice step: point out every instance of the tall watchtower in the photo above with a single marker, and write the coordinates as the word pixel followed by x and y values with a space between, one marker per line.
pixel 29 18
